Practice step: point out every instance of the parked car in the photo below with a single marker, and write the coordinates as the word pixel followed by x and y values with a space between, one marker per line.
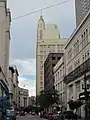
pixel 69 115
pixel 33 112
pixel 10 113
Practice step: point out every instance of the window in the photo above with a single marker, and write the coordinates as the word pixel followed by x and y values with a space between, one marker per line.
pixel 58 86
pixel 86 36
pixel 76 63
pixel 41 62
pixel 70 89
pixel 63 71
pixel 41 88
pixel 61 85
pixel 82 41
pixel 53 80
pixel 76 47
pixel 69 54
pixel 41 72
pixel 58 58
pixel 88 54
pixel 83 57
pixel 40 34
pixel 53 65
pixel 41 68
pixel 89 30
pixel 41 77
pixel 77 86
pixel 58 75
pixel 53 58
pixel 41 83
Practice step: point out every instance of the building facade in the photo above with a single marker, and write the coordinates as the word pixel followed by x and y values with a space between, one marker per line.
pixel 32 101
pixel 48 41
pixel 82 8
pixel 13 85
pixel 77 60
pixel 60 86
pixel 5 20
pixel 49 64
pixel 23 97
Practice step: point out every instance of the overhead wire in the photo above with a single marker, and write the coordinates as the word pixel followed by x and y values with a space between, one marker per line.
pixel 35 11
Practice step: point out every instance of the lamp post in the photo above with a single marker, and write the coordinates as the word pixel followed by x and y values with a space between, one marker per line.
pixel 86 93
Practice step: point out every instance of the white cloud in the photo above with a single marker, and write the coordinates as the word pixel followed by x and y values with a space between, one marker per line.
pixel 28 84
pixel 25 66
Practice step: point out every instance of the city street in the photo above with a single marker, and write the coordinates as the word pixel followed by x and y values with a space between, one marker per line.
pixel 29 117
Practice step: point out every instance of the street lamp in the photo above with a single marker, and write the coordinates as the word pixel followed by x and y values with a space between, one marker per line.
pixel 85 87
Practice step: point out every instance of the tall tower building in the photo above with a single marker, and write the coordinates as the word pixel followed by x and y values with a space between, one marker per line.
pixel 48 41
pixel 82 8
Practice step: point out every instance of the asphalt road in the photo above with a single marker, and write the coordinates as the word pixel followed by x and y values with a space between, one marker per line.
pixel 29 117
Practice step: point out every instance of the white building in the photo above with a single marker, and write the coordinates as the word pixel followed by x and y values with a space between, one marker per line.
pixel 23 97
pixel 60 86
pixel 48 41
pixel 77 56
pixel 5 19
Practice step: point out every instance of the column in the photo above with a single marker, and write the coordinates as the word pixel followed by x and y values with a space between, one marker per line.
pixel 67 97
pixel 74 91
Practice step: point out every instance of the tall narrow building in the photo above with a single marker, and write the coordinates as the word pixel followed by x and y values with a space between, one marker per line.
pixel 48 41
pixel 82 7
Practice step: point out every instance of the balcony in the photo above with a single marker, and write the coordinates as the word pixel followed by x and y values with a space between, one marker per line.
pixel 79 71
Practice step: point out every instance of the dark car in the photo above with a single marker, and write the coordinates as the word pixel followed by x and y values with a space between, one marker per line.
pixel 67 115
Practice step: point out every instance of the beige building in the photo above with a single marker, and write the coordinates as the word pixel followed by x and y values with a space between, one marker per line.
pixel 77 56
pixel 48 41
pixel 23 97
pixel 60 86
pixel 82 7
pixel 5 19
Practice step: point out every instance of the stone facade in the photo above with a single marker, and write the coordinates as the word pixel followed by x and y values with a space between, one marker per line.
pixel 60 86
pixel 23 97
pixel 77 55
pixel 49 64
pixel 48 41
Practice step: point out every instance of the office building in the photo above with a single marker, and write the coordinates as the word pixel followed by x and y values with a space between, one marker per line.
pixel 48 41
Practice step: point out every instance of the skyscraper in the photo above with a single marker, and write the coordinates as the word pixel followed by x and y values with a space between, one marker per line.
pixel 48 41
pixel 82 7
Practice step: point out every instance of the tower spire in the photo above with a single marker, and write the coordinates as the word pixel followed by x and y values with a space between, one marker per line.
pixel 41 17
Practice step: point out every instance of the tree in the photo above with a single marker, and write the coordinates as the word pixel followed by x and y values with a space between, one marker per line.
pixel 48 97
pixel 74 105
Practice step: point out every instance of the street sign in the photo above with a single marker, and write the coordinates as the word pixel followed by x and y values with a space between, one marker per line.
pixel 82 95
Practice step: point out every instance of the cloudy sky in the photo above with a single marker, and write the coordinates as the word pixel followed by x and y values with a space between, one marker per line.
pixel 23 33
